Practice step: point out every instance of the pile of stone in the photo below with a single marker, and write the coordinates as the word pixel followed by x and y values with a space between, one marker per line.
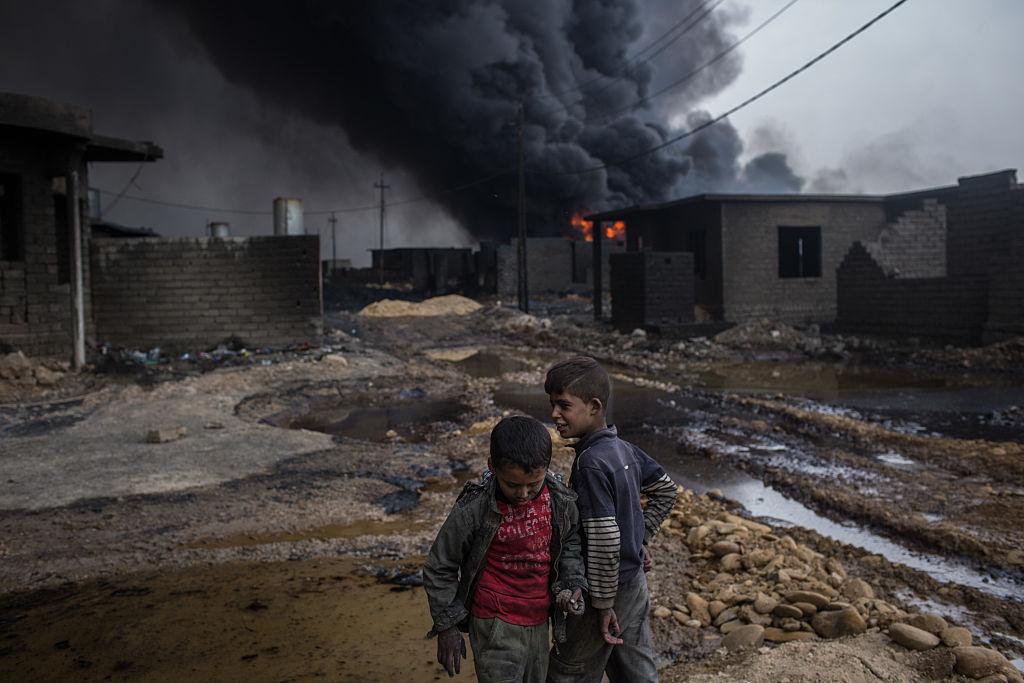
pixel 754 585
pixel 18 369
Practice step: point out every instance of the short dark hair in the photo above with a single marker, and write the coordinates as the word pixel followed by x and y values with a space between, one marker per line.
pixel 582 376
pixel 521 441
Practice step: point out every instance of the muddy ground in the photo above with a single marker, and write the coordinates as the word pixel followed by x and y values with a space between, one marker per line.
pixel 278 538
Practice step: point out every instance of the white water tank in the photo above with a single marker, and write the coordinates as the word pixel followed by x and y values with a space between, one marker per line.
pixel 220 229
pixel 288 217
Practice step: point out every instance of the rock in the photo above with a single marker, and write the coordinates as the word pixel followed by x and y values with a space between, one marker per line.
pixel 764 604
pixel 725 616
pixel 696 535
pixel 913 638
pixel 14 365
pixel 662 612
pixel 835 606
pixel 730 626
pixel 166 434
pixel 679 616
pixel 337 359
pixel 715 494
pixel 698 608
pixel 932 623
pixel 46 377
pixel 788 624
pixel 723 548
pixel 806 608
pixel 759 557
pixel 788 612
pixel 816 599
pixel 956 636
pixel 752 616
pixel 834 566
pixel 975 662
pixel 715 608
pixel 845 622
pixel 744 637
pixel 732 562
pixel 693 623
pixel 391 434
pixel 777 635
pixel 857 588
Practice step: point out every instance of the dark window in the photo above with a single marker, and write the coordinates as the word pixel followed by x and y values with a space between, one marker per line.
pixel 62 233
pixel 799 252
pixel 697 244
pixel 12 238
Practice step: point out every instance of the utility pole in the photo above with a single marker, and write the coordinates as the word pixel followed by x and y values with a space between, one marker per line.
pixel 334 240
pixel 381 186
pixel 523 287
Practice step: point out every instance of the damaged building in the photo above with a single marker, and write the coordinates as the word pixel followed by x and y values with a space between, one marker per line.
pixel 943 262
pixel 65 287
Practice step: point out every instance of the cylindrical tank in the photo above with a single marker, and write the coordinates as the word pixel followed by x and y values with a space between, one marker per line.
pixel 288 217
pixel 220 229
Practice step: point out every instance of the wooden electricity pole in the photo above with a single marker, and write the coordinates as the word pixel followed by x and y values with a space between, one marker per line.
pixel 523 285
pixel 381 186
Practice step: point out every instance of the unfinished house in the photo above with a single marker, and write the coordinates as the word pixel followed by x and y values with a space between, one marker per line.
pixel 555 265
pixel 45 151
pixel 429 270
pixel 948 265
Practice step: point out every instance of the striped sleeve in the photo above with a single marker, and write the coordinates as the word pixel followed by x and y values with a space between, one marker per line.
pixel 661 496
pixel 603 552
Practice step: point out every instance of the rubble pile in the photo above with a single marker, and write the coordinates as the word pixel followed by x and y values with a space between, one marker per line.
pixel 1006 356
pixel 761 334
pixel 755 586
pixel 452 304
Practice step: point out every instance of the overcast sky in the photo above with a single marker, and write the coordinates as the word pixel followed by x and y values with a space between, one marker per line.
pixel 930 93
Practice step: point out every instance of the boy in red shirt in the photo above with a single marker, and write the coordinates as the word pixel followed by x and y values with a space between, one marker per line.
pixel 507 557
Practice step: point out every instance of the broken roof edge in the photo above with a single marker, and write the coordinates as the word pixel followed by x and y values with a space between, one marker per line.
pixel 106 148
pixel 719 197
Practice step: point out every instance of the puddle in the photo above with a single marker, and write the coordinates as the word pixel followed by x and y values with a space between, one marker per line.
pixel 324 533
pixel 489 364
pixel 638 407
pixel 895 459
pixel 370 423
pixel 959 405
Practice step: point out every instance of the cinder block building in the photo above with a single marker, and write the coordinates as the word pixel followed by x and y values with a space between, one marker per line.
pixel 45 151
pixel 951 268
pixel 555 265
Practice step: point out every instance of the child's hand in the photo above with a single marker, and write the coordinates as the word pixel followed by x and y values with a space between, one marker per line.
pixel 648 560
pixel 451 648
pixel 571 602
pixel 609 624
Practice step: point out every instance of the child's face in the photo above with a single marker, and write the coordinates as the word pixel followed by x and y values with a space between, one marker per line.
pixel 518 485
pixel 575 417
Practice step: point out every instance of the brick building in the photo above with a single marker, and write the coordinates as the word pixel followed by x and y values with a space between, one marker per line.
pixel 45 152
pixel 950 268
pixel 555 265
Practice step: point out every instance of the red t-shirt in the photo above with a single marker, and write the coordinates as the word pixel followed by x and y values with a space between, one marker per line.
pixel 513 584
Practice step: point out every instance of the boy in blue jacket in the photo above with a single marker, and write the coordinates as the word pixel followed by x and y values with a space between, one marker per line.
pixel 608 475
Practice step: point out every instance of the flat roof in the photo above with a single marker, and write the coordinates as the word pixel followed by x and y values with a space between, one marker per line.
pixel 29 112
pixel 763 198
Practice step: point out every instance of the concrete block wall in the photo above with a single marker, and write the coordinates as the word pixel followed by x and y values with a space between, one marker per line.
pixel 752 288
pixel 982 223
pixel 194 293
pixel 1006 283
pixel 913 246
pixel 549 262
pixel 651 289
pixel 870 301
pixel 35 307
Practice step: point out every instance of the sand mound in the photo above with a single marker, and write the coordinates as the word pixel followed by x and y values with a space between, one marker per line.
pixel 453 304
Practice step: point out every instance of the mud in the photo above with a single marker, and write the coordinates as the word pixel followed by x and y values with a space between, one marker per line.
pixel 251 548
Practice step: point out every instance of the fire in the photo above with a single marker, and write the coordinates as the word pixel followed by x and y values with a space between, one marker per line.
pixel 616 231
pixel 585 228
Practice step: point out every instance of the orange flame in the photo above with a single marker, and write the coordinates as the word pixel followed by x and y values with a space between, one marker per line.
pixel 584 228
pixel 616 231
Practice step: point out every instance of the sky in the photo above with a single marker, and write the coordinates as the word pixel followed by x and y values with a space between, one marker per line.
pixel 929 94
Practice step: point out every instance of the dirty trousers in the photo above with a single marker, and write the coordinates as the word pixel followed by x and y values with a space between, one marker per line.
pixel 584 657
pixel 506 653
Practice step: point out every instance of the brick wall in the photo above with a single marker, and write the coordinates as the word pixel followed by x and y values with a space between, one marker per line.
pixel 651 289
pixel 35 307
pixel 870 301
pixel 1006 283
pixel 914 245
pixel 555 264
pixel 194 293
pixel 752 286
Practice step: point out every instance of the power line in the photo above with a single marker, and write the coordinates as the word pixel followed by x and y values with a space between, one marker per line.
pixel 741 105
pixel 686 78
pixel 323 212
pixel 635 61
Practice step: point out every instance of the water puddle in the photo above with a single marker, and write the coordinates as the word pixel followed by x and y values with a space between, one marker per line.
pixel 372 423
pixel 323 533
pixel 959 405
pixel 641 413
pixel 488 364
